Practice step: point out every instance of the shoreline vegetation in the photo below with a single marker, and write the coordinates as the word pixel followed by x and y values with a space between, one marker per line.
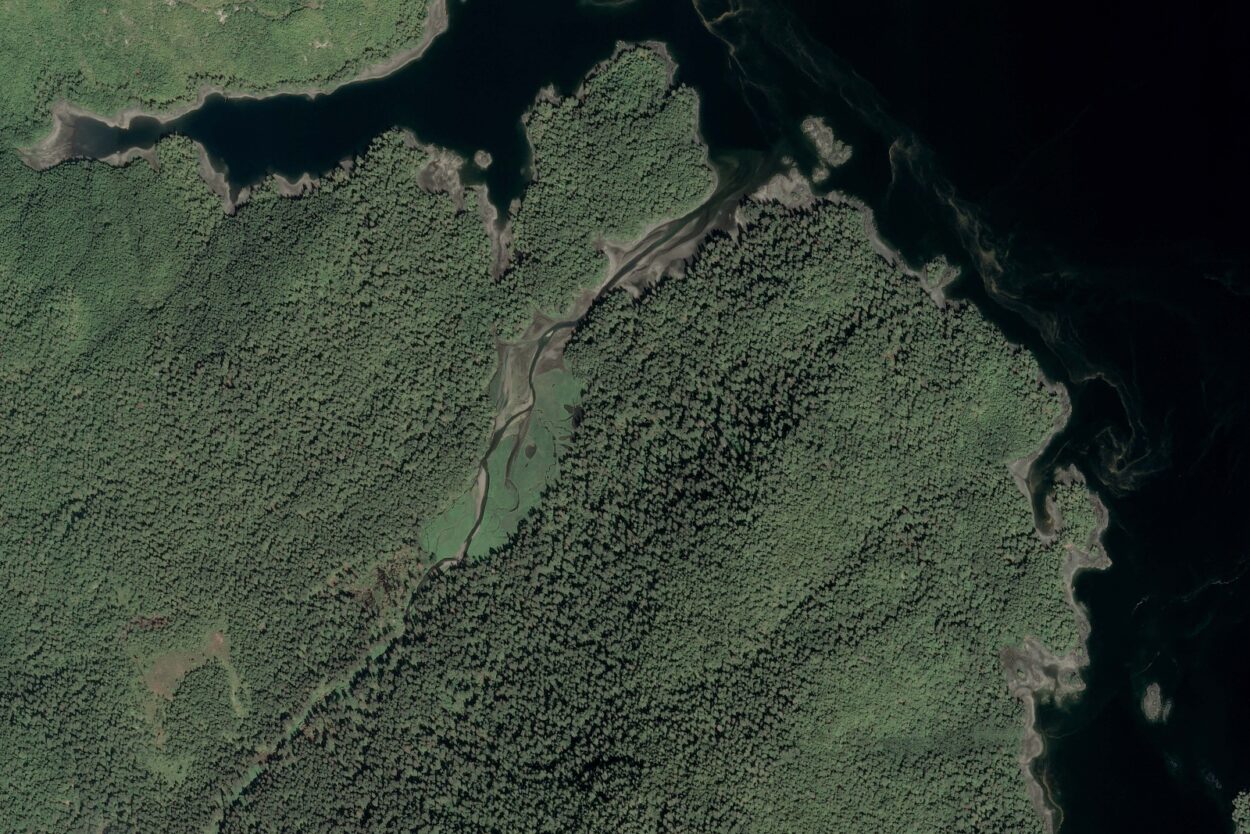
pixel 1033 671
pixel 58 146
pixel 662 248
pixel 436 23
pixel 134 57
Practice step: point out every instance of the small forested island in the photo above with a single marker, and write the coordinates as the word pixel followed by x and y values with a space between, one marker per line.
pixel 664 498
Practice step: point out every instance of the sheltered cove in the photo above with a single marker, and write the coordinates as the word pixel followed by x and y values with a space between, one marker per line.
pixel 59 145
pixel 300 135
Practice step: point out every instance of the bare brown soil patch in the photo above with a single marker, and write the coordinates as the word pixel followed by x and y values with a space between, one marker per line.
pixel 168 669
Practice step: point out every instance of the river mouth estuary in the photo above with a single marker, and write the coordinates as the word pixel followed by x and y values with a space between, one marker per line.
pixel 1119 263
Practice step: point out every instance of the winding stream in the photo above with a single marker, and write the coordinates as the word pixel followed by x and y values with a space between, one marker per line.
pixel 641 263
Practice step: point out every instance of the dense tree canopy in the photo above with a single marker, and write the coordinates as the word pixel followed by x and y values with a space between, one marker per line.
pixel 765 593
pixel 765 587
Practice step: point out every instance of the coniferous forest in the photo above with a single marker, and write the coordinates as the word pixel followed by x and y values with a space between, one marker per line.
pixel 754 557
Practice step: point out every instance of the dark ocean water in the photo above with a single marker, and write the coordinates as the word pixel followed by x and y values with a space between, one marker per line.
pixel 1087 166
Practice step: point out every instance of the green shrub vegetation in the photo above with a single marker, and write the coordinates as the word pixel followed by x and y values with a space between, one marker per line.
pixel 156 53
pixel 749 571
pixel 1241 813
